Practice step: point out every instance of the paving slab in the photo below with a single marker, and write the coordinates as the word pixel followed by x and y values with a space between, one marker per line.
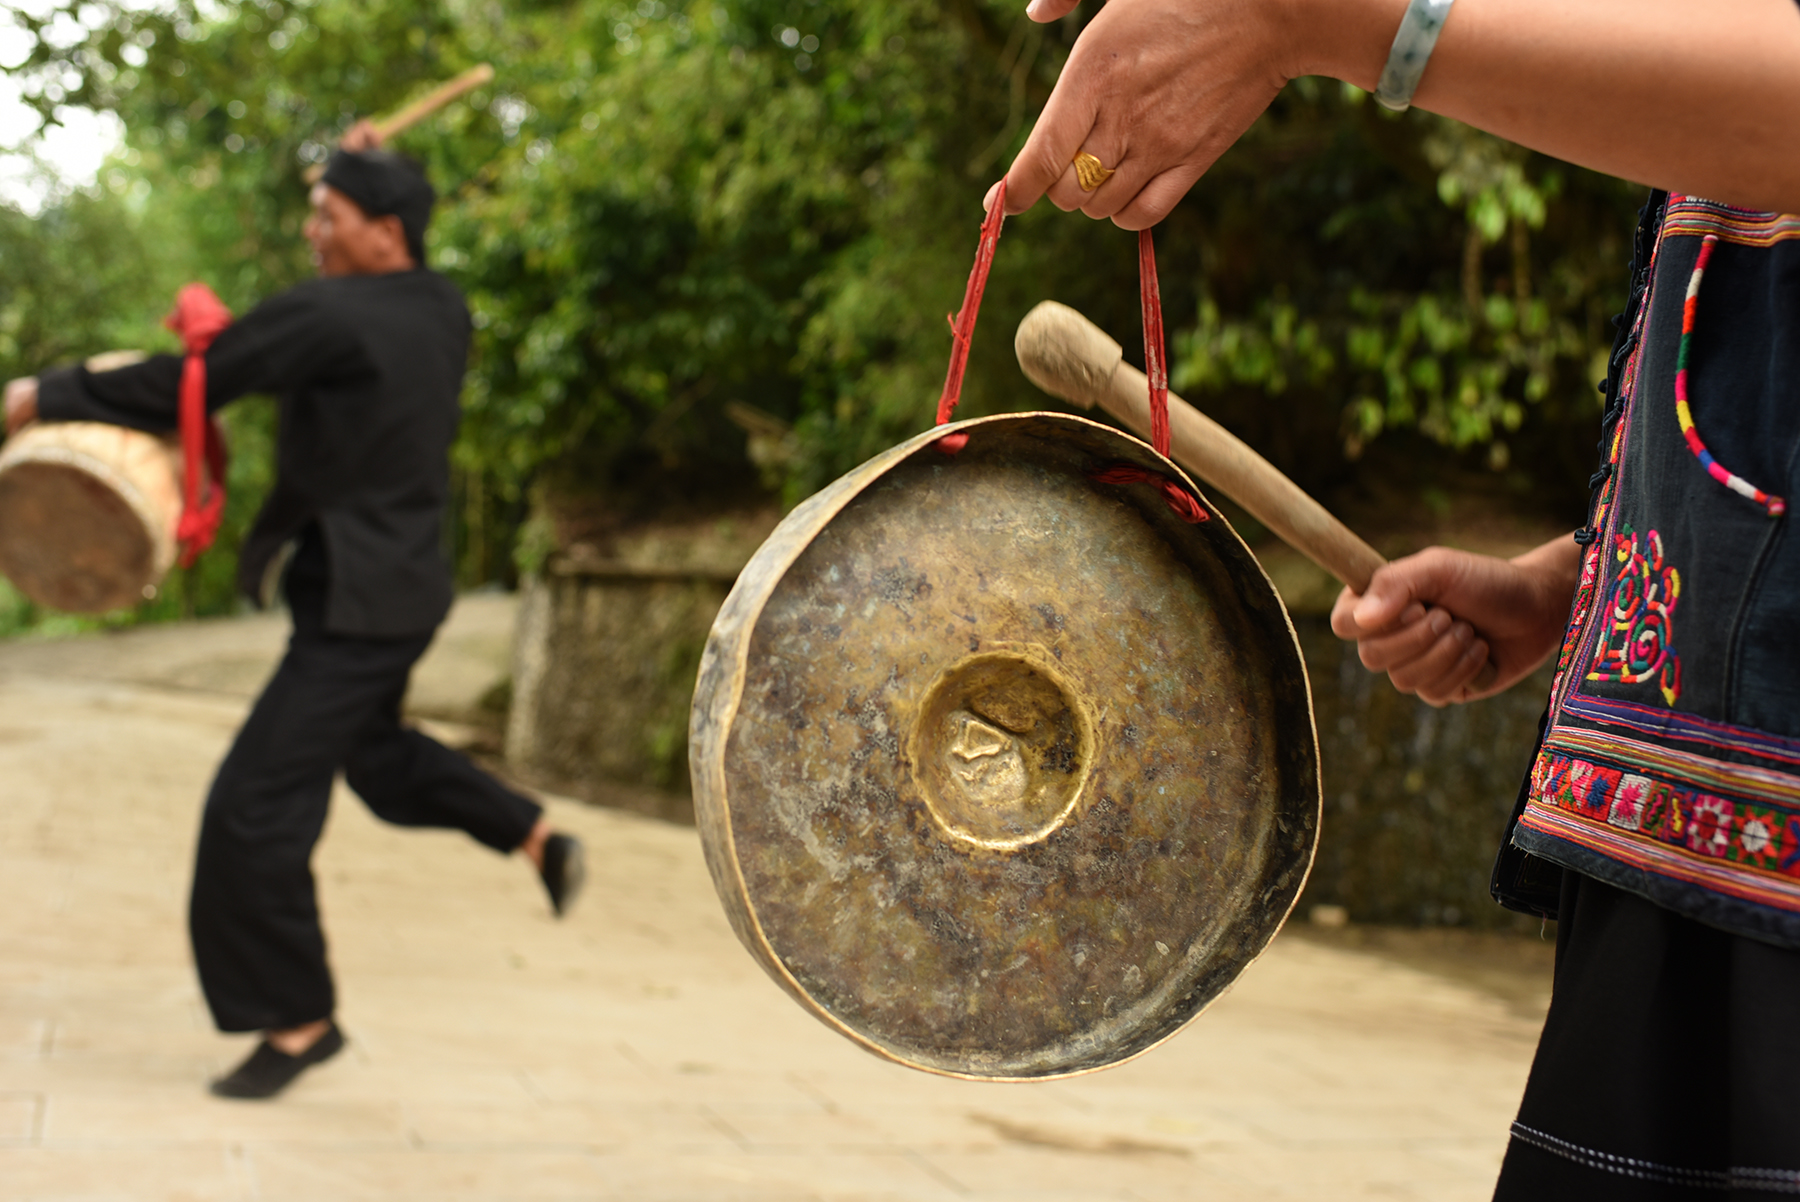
pixel 630 1051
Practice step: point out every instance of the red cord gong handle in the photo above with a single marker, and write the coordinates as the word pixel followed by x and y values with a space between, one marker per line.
pixel 1069 356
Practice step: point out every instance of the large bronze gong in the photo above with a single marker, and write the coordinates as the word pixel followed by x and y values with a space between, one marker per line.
pixel 1003 772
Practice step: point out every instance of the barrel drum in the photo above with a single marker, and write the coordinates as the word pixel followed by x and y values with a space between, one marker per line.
pixel 88 514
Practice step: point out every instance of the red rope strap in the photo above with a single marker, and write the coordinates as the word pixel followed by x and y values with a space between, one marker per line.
pixel 962 331
pixel 198 318
pixel 1180 499
pixel 1156 368
pixel 962 324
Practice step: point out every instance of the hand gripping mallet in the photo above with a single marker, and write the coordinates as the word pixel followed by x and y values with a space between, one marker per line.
pixel 1069 356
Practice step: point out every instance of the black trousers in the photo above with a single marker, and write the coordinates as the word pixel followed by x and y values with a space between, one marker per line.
pixel 1668 1066
pixel 334 703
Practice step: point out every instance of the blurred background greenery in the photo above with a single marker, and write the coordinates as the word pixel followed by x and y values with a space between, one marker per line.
pixel 709 247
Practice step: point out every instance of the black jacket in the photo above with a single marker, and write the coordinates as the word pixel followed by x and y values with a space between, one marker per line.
pixel 367 370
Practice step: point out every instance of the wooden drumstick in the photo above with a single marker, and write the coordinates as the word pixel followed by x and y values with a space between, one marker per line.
pixel 1069 356
pixel 410 115
pixel 432 101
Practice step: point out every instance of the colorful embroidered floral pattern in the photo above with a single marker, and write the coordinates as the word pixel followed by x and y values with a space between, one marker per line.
pixel 1759 838
pixel 1709 825
pixel 1630 800
pixel 1636 646
pixel 1743 832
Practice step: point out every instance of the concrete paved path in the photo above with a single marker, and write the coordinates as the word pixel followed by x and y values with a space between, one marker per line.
pixel 632 1051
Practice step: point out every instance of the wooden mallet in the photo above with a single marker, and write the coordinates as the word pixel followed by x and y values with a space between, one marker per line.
pixel 1069 356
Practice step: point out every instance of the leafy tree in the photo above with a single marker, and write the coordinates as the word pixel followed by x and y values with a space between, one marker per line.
pixel 677 220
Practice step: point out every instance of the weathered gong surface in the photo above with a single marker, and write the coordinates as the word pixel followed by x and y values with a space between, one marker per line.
pixel 1000 771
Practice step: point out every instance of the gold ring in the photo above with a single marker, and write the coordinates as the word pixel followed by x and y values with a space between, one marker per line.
pixel 1090 173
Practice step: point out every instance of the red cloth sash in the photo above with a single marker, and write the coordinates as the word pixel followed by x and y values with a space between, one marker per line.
pixel 198 318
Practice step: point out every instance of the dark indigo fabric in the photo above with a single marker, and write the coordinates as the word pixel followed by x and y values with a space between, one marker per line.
pixel 1668 1043
pixel 334 703
pixel 1736 627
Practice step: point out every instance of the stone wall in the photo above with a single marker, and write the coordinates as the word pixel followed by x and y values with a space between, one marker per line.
pixel 603 672
pixel 1416 798
pixel 605 651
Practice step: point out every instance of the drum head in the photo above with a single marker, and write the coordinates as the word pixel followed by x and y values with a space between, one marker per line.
pixel 1003 772
pixel 70 541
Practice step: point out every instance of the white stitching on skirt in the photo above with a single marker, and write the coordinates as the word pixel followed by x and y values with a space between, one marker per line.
pixel 1774 1181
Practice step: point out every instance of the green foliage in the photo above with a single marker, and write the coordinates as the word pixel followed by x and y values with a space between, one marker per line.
pixel 1478 322
pixel 226 108
pixel 73 281
pixel 699 206
pixel 678 221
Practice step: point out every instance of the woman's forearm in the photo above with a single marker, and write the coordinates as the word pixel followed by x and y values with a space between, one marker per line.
pixel 1558 561
pixel 1702 98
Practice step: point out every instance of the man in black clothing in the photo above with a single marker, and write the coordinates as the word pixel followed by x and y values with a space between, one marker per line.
pixel 367 362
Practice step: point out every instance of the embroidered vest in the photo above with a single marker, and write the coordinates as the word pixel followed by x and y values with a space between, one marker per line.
pixel 1670 761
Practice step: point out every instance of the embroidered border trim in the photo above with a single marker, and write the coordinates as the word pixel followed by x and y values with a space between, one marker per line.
pixel 1773 1181
pixel 1734 847
pixel 1582 635
pixel 1725 879
pixel 1691 216
pixel 1745 780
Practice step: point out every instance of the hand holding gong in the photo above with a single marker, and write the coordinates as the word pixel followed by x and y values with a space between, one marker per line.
pixel 1156 92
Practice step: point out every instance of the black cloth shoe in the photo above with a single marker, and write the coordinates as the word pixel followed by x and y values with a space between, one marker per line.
pixel 564 871
pixel 269 1070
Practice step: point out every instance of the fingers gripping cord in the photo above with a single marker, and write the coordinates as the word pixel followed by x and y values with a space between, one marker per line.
pixel 199 317
pixel 962 330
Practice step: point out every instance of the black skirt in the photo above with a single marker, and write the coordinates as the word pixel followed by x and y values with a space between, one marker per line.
pixel 1669 1066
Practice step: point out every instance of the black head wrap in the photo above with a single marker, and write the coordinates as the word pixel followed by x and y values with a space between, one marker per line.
pixel 382 183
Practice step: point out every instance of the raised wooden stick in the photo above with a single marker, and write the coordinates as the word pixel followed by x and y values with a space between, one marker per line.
pixel 410 115
pixel 407 116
